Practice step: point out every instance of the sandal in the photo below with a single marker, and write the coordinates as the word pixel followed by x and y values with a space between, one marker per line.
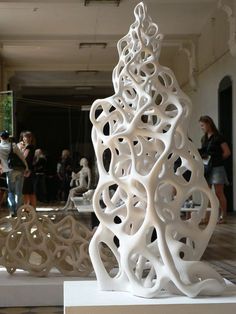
pixel 221 220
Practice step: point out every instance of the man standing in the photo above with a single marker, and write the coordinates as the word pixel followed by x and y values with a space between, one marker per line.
pixel 14 177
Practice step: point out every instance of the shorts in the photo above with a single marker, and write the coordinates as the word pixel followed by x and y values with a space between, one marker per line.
pixel 218 176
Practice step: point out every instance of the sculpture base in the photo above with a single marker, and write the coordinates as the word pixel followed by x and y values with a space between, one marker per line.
pixel 84 297
pixel 21 289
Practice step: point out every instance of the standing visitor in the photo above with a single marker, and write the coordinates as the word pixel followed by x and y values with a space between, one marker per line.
pixel 64 170
pixel 14 176
pixel 214 151
pixel 40 164
pixel 29 179
pixel 3 186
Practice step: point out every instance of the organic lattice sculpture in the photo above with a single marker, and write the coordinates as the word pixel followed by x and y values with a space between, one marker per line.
pixel 148 168
pixel 35 244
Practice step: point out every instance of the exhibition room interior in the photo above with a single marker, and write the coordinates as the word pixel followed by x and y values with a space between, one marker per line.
pixel 57 57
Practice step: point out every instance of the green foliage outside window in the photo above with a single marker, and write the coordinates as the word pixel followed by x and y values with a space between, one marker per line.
pixel 6 111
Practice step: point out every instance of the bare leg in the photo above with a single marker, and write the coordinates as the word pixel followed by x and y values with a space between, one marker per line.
pixel 69 203
pixel 30 199
pixel 26 199
pixel 219 189
pixel 33 200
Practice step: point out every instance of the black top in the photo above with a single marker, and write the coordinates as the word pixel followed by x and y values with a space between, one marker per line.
pixel 212 147
pixel 30 157
pixel 40 165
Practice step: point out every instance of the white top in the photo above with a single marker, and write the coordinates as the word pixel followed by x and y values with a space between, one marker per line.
pixel 5 147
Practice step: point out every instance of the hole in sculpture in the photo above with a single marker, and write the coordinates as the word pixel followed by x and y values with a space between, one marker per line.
pixel 98 112
pixel 158 99
pixel 156 120
pixel 144 271
pixel 120 69
pixel 128 58
pixel 165 193
pixel 161 80
pixel 166 128
pixel 165 79
pixel 117 220
pixel 171 110
pixel 126 52
pixel 144 55
pixel 106 129
pixel 37 258
pixel 143 74
pixel 123 44
pixel 151 236
pixel 152 30
pixel 116 241
pixel 130 93
pixel 151 68
pixel 106 159
pixel 182 169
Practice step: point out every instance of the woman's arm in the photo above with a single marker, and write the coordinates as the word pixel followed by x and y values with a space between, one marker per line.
pixel 225 150
pixel 20 155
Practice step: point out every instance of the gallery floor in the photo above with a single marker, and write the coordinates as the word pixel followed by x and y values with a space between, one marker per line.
pixel 221 254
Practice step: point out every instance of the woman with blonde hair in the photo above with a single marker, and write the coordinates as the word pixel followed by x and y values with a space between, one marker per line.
pixel 29 180
pixel 214 151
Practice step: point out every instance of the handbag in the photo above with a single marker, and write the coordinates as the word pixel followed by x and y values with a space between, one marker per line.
pixel 207 167
pixel 14 162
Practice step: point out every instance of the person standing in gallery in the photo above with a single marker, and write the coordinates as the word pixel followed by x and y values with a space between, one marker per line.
pixel 29 179
pixel 214 151
pixel 64 170
pixel 40 164
pixel 14 177
pixel 3 185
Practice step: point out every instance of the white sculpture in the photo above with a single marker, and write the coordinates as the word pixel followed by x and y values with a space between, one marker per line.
pixel 36 244
pixel 82 181
pixel 139 134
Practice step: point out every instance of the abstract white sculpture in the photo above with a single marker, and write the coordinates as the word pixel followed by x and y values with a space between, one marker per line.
pixel 143 154
pixel 35 244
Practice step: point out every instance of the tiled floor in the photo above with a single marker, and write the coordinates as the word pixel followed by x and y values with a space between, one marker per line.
pixel 221 254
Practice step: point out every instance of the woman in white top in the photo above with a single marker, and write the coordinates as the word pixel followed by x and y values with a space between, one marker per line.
pixel 14 177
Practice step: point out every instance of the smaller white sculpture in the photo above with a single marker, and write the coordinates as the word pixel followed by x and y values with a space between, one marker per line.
pixel 34 243
pixel 82 181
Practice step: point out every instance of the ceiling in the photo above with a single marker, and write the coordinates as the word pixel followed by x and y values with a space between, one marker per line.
pixel 40 40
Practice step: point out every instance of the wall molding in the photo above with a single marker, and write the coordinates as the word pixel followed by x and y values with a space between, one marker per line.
pixel 227 7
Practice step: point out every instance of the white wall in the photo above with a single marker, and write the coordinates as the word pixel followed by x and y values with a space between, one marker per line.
pixel 205 100
pixel 214 63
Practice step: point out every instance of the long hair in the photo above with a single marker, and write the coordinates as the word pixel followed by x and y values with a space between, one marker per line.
pixel 208 120
pixel 29 135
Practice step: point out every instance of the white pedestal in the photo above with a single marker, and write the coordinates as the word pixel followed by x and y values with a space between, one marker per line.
pixel 21 289
pixel 84 297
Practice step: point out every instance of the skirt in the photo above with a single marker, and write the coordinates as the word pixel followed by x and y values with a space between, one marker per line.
pixel 29 185
pixel 217 176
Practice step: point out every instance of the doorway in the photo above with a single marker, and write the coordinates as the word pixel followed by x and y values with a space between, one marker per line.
pixel 225 114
